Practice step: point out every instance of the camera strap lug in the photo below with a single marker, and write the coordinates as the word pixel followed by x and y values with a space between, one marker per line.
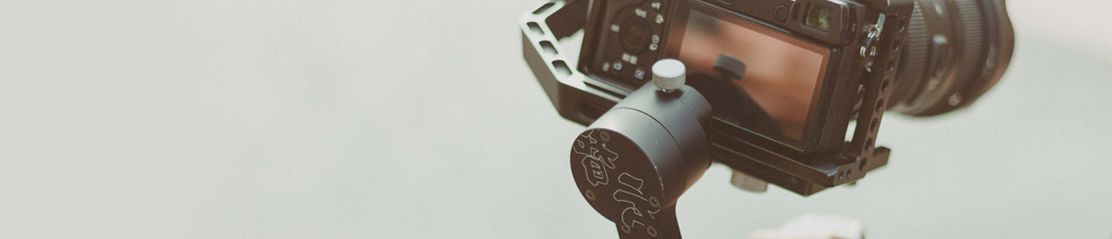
pixel 869 49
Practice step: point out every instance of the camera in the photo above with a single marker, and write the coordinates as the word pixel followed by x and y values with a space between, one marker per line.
pixel 796 89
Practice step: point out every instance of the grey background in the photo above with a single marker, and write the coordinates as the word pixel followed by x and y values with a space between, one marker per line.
pixel 419 119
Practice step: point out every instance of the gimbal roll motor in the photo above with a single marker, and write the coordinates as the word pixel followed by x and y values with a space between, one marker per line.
pixel 634 162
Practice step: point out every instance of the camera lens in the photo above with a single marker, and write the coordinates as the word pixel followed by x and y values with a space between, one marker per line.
pixel 956 51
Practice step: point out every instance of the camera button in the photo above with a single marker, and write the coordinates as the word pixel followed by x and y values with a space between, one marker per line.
pixel 635 35
pixel 781 13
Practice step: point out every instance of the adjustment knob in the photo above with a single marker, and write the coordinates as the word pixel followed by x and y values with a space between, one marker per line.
pixel 669 75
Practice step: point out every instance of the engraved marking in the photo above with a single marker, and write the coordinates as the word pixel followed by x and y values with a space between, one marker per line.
pixel 631 194
pixel 597 159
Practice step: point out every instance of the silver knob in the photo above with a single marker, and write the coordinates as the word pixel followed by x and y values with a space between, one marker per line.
pixel 669 75
pixel 748 183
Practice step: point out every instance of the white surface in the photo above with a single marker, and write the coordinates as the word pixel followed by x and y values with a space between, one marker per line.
pixel 812 226
pixel 419 119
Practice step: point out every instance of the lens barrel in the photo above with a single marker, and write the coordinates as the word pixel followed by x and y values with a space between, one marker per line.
pixel 956 51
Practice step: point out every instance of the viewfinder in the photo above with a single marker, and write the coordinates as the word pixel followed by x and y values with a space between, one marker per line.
pixel 818 17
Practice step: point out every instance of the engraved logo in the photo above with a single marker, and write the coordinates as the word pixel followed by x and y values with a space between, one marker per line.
pixel 597 159
pixel 636 213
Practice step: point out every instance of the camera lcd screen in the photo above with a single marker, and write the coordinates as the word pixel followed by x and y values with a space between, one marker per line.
pixel 781 74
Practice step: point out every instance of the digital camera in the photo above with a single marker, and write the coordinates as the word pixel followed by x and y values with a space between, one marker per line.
pixel 815 78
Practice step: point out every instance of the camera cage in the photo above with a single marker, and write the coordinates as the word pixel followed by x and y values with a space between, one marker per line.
pixel 579 98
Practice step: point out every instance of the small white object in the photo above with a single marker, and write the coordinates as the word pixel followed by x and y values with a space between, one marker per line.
pixel 815 226
pixel 669 75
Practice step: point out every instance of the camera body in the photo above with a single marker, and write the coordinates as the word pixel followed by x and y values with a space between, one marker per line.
pixel 858 43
